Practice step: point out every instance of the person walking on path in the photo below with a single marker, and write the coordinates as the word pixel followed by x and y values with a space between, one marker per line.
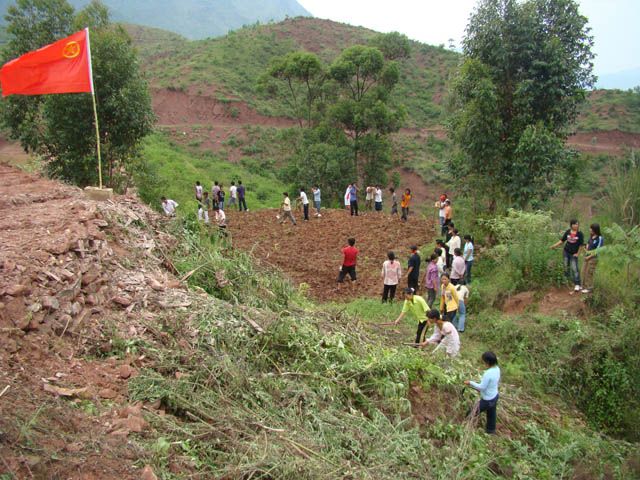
pixel 349 256
pixel 394 202
pixel 391 275
pixel 203 208
pixel 285 209
pixel 406 200
pixel 448 298
pixel 317 199
pixel 198 192
pixel 463 302
pixel 221 195
pixel 573 240
pixel 169 207
pixel 419 308
pixel 431 279
pixel 458 267
pixel 353 199
pixel 370 191
pixel 305 204
pixel 413 271
pixel 378 198
pixel 467 254
pixel 591 260
pixel 233 193
pixel 488 388
pixel 241 191
pixel 440 206
pixel 444 334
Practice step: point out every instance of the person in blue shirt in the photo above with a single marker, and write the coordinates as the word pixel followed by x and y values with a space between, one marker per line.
pixel 488 388
pixel 353 199
pixel 591 260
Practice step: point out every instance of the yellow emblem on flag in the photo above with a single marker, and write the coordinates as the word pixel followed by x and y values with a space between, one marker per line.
pixel 71 50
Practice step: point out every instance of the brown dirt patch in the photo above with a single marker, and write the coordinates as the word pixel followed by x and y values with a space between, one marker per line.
pixel 311 251
pixel 545 303
pixel 174 108
pixel 63 288
pixel 607 142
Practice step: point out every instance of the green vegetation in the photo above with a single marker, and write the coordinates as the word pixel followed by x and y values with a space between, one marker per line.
pixel 59 128
pixel 510 119
pixel 612 110
pixel 231 65
pixel 173 170
pixel 323 393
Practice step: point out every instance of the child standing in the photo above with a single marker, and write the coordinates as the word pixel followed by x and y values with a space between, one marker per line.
pixel 488 388
pixel 394 202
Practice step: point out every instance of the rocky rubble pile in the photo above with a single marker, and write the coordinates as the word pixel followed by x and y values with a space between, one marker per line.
pixel 107 258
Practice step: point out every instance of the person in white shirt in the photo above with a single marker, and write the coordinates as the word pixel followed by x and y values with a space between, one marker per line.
pixel 285 209
pixel 378 198
pixel 198 192
pixel 370 191
pixel 347 199
pixel 444 334
pixel 203 208
pixel 458 266
pixel 221 219
pixel 305 204
pixel 453 243
pixel 463 301
pixel 232 191
pixel 169 207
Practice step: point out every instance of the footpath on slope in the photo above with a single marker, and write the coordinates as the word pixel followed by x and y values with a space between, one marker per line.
pixel 75 275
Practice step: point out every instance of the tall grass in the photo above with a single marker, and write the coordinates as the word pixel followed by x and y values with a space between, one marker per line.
pixel 622 193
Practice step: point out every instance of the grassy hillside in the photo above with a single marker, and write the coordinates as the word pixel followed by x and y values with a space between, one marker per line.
pixel 173 171
pixel 612 110
pixel 230 65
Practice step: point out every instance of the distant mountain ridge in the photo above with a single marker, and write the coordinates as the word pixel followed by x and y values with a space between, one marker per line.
pixel 194 19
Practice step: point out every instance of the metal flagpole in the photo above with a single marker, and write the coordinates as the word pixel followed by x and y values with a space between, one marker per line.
pixel 95 111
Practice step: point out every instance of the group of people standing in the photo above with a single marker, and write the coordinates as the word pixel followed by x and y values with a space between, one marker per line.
pixel 373 200
pixel 574 246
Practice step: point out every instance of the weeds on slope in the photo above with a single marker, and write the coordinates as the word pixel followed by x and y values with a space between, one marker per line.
pixel 319 395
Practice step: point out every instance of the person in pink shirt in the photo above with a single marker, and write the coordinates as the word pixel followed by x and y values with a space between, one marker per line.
pixel 431 279
pixel 458 267
pixel 391 274
pixel 444 335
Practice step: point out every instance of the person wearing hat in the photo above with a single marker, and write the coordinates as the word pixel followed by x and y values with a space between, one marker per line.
pixel 440 206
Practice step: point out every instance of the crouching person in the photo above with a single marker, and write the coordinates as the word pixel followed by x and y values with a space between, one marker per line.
pixel 445 335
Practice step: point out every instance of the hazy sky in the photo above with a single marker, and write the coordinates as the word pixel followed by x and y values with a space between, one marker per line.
pixel 615 23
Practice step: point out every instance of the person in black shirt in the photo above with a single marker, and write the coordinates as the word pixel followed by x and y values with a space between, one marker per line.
pixel 573 240
pixel 413 273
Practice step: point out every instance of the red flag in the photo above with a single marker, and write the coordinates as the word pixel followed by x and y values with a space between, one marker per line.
pixel 61 67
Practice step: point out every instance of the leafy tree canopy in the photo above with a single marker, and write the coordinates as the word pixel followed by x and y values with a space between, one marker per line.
pixel 60 127
pixel 526 70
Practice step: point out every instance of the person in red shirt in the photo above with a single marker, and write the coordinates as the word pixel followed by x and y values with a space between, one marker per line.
pixel 348 263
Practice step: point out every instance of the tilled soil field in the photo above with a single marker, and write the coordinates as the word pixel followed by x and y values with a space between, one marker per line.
pixel 311 252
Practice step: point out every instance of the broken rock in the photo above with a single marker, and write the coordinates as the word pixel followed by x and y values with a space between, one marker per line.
pixel 50 303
